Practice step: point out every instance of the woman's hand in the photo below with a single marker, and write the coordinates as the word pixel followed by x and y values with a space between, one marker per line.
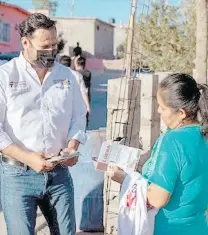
pixel 116 174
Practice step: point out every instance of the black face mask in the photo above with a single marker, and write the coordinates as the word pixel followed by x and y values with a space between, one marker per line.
pixel 45 58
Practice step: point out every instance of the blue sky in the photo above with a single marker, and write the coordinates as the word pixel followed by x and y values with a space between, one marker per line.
pixel 102 9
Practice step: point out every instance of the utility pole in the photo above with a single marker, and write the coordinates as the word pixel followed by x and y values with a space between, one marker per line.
pixel 72 8
pixel 201 41
pixel 130 40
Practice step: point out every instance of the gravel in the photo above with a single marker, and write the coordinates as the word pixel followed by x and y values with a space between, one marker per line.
pixel 45 231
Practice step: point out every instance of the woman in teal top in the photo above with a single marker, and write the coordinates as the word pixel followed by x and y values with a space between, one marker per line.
pixel 178 167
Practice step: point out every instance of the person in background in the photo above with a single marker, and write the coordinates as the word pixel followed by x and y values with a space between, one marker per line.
pixel 66 60
pixel 177 169
pixel 77 50
pixel 42 113
pixel 86 74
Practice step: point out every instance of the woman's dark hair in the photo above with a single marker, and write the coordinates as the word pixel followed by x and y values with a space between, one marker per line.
pixel 81 61
pixel 33 22
pixel 180 91
pixel 65 60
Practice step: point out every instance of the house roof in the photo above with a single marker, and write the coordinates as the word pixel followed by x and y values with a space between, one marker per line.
pixel 83 18
pixel 15 7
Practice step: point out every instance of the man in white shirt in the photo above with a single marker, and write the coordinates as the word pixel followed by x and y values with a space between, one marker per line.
pixel 42 112
pixel 66 60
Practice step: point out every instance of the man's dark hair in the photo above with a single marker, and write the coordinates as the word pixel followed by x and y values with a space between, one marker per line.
pixel 81 61
pixel 33 22
pixel 65 60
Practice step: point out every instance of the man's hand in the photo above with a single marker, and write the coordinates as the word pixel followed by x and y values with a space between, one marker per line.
pixel 73 145
pixel 72 161
pixel 38 162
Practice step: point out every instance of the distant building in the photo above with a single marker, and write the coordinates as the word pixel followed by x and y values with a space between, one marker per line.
pixel 96 37
pixel 10 17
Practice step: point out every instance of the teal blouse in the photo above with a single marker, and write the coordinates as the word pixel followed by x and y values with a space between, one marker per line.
pixel 179 164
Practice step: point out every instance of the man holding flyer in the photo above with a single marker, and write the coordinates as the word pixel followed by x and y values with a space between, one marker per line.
pixel 42 112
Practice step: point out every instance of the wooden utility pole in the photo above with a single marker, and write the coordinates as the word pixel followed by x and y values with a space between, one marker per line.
pixel 201 41
pixel 130 39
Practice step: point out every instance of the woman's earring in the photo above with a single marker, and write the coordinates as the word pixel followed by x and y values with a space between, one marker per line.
pixel 180 124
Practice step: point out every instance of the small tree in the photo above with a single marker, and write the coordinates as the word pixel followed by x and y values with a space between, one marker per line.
pixel 51 5
pixel 120 51
pixel 61 43
pixel 165 40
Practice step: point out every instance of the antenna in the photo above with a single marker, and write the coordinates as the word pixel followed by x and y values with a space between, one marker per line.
pixel 72 8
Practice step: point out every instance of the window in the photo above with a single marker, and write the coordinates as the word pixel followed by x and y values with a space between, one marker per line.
pixel 4 32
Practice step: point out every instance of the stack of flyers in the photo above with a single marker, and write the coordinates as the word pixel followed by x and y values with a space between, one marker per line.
pixel 122 156
pixel 62 157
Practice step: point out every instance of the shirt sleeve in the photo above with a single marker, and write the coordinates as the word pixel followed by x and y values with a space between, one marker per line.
pixel 79 111
pixel 5 140
pixel 83 88
pixel 167 168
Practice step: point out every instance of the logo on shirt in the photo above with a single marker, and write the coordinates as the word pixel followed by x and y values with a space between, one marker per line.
pixel 18 86
pixel 66 84
pixel 11 84
pixel 131 197
pixel 62 84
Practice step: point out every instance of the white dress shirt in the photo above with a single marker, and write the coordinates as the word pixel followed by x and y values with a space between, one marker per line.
pixel 3 62
pixel 40 117
pixel 80 81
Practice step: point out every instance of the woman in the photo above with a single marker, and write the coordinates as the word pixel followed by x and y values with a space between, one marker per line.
pixel 177 170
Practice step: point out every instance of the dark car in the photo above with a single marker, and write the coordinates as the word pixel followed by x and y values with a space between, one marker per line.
pixel 9 56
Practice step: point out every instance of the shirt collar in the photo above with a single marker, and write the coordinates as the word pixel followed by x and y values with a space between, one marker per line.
pixel 23 62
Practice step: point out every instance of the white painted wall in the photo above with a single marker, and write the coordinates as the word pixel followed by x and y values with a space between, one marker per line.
pixel 104 40
pixel 99 43
pixel 77 30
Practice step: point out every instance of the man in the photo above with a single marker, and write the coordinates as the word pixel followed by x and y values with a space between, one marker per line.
pixel 77 50
pixel 42 112
pixel 66 61
pixel 86 74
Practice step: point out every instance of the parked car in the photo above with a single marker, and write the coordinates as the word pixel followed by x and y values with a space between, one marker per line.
pixel 9 56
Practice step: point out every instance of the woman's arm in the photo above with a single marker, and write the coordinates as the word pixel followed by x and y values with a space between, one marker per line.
pixel 116 174
pixel 157 196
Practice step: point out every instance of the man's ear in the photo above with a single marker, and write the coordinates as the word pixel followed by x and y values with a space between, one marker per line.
pixel 25 42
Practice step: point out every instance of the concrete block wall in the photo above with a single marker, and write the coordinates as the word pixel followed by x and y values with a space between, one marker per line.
pixel 150 119
pixel 124 110
pixel 111 202
pixel 144 127
pixel 123 119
